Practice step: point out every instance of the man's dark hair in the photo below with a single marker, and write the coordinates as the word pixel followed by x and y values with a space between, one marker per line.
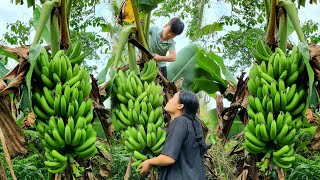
pixel 176 25
pixel 190 102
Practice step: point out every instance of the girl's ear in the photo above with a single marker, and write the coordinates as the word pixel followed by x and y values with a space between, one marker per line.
pixel 180 106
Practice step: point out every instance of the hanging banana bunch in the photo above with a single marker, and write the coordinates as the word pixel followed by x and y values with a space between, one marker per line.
pixel 61 103
pixel 276 106
pixel 137 111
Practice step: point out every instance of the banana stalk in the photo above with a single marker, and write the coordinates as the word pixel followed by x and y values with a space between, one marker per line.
pixel 68 9
pixel 272 23
pixel 267 5
pixel 283 33
pixel 141 38
pixel 132 59
pixel 64 27
pixel 54 33
pixel 123 39
pixel 44 17
pixel 147 27
pixel 292 12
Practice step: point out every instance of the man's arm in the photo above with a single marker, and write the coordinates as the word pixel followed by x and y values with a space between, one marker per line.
pixel 170 58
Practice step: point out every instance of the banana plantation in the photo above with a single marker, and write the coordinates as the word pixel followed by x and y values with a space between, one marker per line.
pixel 83 93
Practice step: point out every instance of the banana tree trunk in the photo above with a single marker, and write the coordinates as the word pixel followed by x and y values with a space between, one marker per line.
pixel 64 26
pixel 141 36
pixel 272 23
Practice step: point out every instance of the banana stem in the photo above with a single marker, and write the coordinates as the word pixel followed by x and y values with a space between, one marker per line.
pixel 267 5
pixel 54 32
pixel 147 27
pixel 44 17
pixel 68 9
pixel 132 59
pixel 283 33
pixel 272 23
pixel 64 27
pixel 292 12
pixel 141 38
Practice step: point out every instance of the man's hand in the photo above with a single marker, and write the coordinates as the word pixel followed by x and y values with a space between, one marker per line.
pixel 156 57
pixel 145 167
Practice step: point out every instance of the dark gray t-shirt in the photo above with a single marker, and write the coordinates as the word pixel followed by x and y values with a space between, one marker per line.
pixel 181 145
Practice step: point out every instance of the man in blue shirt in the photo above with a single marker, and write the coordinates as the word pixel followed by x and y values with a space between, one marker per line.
pixel 161 41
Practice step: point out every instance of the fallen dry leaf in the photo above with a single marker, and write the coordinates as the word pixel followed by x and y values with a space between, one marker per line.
pixel 28 120
pixel 6 154
pixel 15 140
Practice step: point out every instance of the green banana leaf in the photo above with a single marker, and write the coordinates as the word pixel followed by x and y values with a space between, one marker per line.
pixel 184 65
pixel 202 84
pixel 103 74
pixel 225 71
pixel 3 70
pixel 34 52
pixel 146 6
pixel 46 31
pixel 25 105
pixel 193 58
pixel 312 92
pixel 212 67
pixel 7 54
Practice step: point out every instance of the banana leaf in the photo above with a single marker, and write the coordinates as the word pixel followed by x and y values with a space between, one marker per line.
pixel 8 54
pixel 194 59
pixel 103 74
pixel 46 31
pixel 3 70
pixel 312 92
pixel 184 66
pixel 26 98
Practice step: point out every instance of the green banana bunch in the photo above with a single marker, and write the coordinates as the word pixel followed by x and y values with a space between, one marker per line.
pixel 74 53
pixel 149 71
pixel 276 105
pixel 284 157
pixel 63 109
pixel 262 52
pixel 137 112
pixel 55 162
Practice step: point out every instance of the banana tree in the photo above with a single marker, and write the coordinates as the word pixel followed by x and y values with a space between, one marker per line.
pixel 271 67
pixel 55 13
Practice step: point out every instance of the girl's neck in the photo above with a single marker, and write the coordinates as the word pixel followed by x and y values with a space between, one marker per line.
pixel 175 115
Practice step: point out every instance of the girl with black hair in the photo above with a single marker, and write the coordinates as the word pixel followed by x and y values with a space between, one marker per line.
pixel 182 154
